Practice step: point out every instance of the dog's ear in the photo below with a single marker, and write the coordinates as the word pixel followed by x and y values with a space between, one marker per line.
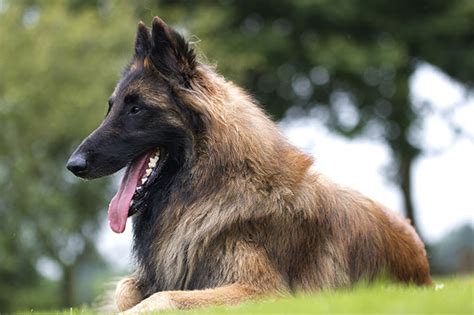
pixel 170 53
pixel 142 42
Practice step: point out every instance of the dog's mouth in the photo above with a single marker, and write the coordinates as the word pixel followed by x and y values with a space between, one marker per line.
pixel 133 190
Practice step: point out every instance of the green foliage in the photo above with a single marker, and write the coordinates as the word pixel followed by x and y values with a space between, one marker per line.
pixel 455 252
pixel 58 69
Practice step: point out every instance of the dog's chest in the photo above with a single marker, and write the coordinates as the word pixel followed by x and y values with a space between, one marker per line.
pixel 173 257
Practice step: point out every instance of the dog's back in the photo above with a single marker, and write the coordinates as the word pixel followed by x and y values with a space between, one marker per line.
pixel 352 238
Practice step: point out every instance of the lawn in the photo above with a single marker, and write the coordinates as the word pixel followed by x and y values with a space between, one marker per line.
pixel 456 297
pixel 453 296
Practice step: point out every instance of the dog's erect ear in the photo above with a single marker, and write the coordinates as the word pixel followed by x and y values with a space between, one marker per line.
pixel 170 53
pixel 142 42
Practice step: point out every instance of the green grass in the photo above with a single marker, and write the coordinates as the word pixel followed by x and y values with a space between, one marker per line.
pixel 456 297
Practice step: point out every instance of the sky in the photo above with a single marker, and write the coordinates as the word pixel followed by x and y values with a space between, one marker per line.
pixel 443 179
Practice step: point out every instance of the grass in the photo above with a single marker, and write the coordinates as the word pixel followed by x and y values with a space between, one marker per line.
pixel 455 297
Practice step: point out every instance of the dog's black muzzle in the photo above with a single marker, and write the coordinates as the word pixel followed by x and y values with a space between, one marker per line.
pixel 77 164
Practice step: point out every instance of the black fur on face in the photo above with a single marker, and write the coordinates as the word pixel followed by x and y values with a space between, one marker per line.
pixel 144 112
pixel 134 125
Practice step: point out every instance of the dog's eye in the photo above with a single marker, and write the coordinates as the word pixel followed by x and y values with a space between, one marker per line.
pixel 134 109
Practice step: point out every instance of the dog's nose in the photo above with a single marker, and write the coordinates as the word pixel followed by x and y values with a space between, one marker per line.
pixel 77 164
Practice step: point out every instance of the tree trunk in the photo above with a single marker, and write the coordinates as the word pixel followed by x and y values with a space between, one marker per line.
pixel 404 152
pixel 68 286
pixel 405 173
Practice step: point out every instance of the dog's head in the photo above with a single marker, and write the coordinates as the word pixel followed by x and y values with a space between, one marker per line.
pixel 147 127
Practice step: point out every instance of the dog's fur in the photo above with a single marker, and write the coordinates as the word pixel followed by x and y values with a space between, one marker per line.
pixel 239 212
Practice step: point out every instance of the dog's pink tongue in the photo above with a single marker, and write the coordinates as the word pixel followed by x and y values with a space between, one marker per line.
pixel 120 203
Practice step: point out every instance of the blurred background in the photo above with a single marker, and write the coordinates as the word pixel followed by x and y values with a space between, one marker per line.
pixel 379 92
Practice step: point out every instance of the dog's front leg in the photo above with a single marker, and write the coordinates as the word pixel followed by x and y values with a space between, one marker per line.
pixel 168 300
pixel 127 294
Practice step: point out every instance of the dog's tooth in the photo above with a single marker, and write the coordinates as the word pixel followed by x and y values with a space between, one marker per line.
pixel 144 179
pixel 152 163
pixel 148 172
pixel 131 203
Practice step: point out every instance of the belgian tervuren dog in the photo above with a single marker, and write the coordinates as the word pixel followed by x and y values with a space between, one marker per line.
pixel 224 208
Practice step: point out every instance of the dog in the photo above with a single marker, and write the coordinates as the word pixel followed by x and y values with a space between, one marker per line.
pixel 224 208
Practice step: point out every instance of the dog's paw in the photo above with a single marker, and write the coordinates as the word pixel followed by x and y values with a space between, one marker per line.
pixel 157 302
pixel 127 294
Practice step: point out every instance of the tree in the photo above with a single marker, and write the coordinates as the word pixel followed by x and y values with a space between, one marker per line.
pixel 351 59
pixel 58 68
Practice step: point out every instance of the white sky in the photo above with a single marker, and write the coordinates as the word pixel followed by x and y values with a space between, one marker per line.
pixel 443 182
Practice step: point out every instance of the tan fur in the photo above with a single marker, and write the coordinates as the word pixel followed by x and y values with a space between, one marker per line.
pixel 228 295
pixel 265 222
pixel 127 294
